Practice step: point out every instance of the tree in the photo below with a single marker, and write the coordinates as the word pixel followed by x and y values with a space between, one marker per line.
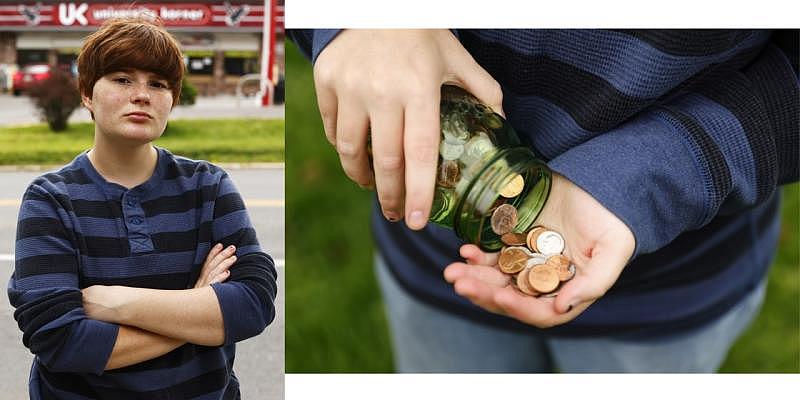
pixel 56 98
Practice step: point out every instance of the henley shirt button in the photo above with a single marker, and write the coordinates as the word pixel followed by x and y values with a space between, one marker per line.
pixel 136 220
pixel 131 201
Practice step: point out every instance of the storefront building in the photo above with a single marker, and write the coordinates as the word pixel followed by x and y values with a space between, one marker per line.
pixel 222 40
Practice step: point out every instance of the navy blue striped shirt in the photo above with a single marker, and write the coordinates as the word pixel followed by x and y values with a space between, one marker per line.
pixel 76 229
pixel 684 135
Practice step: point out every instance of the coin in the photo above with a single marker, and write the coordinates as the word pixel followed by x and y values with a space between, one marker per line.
pixel 543 278
pixel 536 259
pixel 523 283
pixel 566 273
pixel 455 130
pixel 514 239
pixel 512 260
pixel 549 242
pixel 450 151
pixel 533 234
pixel 449 174
pixel 504 219
pixel 514 186
pixel 476 147
pixel 562 265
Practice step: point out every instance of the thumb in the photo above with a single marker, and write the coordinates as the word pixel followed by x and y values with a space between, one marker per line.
pixel 594 279
pixel 474 79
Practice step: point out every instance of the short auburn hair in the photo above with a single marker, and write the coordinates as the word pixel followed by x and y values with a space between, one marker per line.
pixel 130 43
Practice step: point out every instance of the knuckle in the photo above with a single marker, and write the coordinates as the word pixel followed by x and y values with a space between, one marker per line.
pixel 323 75
pixel 347 149
pixel 389 163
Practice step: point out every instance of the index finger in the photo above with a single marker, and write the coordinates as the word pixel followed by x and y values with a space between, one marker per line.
pixel 421 143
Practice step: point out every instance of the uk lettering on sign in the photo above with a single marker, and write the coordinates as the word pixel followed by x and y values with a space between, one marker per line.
pixel 84 14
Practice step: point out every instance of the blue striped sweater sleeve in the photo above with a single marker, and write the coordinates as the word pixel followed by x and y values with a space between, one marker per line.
pixel 717 148
pixel 312 41
pixel 45 290
pixel 247 298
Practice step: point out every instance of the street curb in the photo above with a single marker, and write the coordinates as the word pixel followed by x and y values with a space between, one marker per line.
pixel 227 166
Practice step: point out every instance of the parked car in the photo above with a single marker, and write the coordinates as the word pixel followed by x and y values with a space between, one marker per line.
pixel 28 75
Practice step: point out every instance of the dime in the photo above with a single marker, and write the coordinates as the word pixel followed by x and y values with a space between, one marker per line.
pixel 514 187
pixel 533 234
pixel 514 239
pixel 476 147
pixel 504 219
pixel 450 151
pixel 523 283
pixel 543 278
pixel 512 260
pixel 549 242
pixel 536 259
pixel 455 131
pixel 449 174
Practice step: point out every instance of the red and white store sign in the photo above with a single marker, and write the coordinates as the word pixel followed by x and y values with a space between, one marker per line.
pixel 84 14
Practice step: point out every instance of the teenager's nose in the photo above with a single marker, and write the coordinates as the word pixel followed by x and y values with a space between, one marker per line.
pixel 140 95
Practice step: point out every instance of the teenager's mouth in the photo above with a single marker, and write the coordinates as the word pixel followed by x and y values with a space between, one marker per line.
pixel 138 116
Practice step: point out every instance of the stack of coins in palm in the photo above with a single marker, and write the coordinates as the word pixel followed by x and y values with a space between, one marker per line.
pixel 534 258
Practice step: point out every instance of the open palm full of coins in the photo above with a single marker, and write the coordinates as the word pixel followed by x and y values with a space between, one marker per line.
pixel 533 258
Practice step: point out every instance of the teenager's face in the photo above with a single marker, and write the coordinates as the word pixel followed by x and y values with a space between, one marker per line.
pixel 130 105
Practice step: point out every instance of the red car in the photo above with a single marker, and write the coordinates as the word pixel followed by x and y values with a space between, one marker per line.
pixel 29 75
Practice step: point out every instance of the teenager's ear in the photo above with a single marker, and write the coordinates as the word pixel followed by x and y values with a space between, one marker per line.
pixel 87 102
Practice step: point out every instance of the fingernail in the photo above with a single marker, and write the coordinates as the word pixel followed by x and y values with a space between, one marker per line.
pixel 218 246
pixel 391 216
pixel 416 219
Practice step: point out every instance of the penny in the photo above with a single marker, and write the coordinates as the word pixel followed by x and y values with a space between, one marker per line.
pixel 543 278
pixel 449 174
pixel 558 260
pixel 514 239
pixel 566 273
pixel 549 242
pixel 533 234
pixel 512 260
pixel 504 219
pixel 514 187
pixel 524 285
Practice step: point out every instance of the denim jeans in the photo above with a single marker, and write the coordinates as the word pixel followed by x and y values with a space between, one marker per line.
pixel 428 339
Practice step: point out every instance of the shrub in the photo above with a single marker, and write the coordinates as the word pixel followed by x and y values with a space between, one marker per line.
pixel 55 99
pixel 188 93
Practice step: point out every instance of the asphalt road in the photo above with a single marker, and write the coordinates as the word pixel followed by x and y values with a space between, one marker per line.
pixel 18 110
pixel 259 360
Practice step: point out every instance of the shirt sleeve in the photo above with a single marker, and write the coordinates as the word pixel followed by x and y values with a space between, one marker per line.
pixel 311 42
pixel 247 298
pixel 45 290
pixel 721 146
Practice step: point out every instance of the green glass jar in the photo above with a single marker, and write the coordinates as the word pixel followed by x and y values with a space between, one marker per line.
pixel 482 165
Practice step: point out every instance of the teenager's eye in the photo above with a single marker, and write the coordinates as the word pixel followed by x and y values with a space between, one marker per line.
pixel 159 85
pixel 122 80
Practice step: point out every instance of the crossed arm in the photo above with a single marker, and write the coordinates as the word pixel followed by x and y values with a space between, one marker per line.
pixel 154 322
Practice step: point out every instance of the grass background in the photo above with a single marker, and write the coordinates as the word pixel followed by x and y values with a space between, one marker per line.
pixel 216 140
pixel 334 308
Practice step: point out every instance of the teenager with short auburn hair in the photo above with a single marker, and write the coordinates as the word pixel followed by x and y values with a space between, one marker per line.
pixel 136 270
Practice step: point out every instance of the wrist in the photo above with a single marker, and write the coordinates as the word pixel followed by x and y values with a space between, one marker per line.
pixel 125 304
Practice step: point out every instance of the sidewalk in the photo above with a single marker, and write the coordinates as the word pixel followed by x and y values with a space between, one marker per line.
pixel 20 110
